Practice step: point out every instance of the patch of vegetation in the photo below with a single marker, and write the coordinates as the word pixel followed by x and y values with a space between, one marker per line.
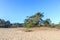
pixel 35 20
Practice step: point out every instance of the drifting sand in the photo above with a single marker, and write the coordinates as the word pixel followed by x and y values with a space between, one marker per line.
pixel 18 34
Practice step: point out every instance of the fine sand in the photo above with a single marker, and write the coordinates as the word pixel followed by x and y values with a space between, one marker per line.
pixel 20 34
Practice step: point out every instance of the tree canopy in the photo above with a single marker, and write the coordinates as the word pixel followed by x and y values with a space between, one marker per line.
pixel 34 20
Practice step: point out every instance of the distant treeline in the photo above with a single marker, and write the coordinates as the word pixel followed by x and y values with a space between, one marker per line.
pixel 7 24
pixel 35 20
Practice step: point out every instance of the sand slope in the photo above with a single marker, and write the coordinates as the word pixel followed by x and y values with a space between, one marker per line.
pixel 17 34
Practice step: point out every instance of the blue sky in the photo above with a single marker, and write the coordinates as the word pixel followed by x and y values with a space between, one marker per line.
pixel 17 10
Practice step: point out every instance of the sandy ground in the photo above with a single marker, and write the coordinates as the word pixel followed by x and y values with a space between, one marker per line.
pixel 19 34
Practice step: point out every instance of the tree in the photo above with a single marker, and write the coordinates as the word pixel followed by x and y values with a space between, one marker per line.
pixel 15 25
pixel 7 24
pixel 33 20
pixel 4 24
pixel 47 22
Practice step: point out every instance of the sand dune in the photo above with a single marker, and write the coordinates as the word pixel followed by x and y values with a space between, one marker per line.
pixel 18 34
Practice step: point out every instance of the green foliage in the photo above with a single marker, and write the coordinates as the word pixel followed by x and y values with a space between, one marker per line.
pixel 7 24
pixel 47 22
pixel 33 20
pixel 27 24
pixel 57 25
pixel 16 25
pixel 30 21
pixel 53 25
pixel 4 24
